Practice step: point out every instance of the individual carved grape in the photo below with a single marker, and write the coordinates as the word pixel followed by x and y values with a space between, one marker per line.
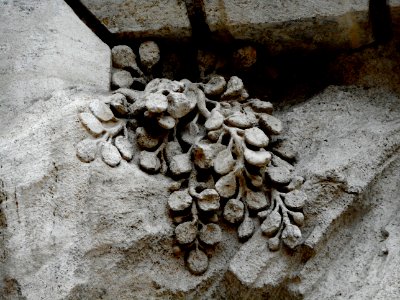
pixel 101 110
pixel 241 120
pixel 93 125
pixel 180 200
pixel 215 121
pixel 215 86
pixel 274 243
pixel 156 102
pixel 166 122
pixel 208 200
pixel 256 137
pixel 86 150
pixel 256 200
pixel 234 211
pixel 246 229
pixel 226 185
pixel 270 124
pixel 110 154
pixel 298 218
pixel 180 164
pixel 145 140
pixel 295 199
pixel 124 147
pixel 224 162
pixel 210 234
pixel 279 175
pixel 291 236
pixel 186 233
pixel 179 105
pixel 149 161
pixel 271 224
pixel 257 158
pixel 197 262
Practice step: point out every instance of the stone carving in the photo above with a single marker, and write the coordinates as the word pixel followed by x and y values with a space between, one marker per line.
pixel 220 148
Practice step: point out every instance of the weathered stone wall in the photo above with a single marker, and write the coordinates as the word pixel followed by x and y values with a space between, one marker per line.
pixel 70 230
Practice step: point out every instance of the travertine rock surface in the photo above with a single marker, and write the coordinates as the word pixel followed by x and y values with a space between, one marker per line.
pixel 142 18
pixel 279 24
pixel 74 230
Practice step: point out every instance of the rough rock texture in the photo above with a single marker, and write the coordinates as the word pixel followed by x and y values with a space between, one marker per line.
pixel 306 24
pixel 73 230
pixel 349 140
pixel 142 18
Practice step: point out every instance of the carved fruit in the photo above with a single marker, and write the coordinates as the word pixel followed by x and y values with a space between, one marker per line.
pixel 256 200
pixel 234 211
pixel 298 218
pixel 291 236
pixel 224 162
pixel 208 200
pixel 295 199
pixel 149 161
pixel 156 102
pixel 110 154
pixel 92 125
pixel 166 122
pixel 274 243
pixel 197 262
pixel 271 224
pixel 180 164
pixel 180 200
pixel 86 150
pixel 246 229
pixel 215 121
pixel 186 233
pixel 226 185
pixel 256 137
pixel 101 110
pixel 124 147
pixel 257 158
pixel 145 140
pixel 210 234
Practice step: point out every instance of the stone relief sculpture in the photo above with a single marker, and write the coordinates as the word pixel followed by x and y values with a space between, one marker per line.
pixel 219 146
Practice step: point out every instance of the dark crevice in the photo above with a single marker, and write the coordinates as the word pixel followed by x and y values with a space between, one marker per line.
pixel 201 34
pixel 92 22
pixel 381 21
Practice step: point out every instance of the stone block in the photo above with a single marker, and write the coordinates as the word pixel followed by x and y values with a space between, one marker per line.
pixel 281 24
pixel 142 18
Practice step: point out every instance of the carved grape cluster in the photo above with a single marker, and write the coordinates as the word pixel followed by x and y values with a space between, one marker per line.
pixel 220 148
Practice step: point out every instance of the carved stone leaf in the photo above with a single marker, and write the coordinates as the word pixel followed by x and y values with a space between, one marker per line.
pixel 208 200
pixel 86 150
pixel 101 110
pixel 210 234
pixel 246 229
pixel 234 211
pixel 124 147
pixel 110 154
pixel 271 224
pixel 197 262
pixel 149 162
pixel 226 185
pixel 186 233
pixel 91 123
pixel 256 200
pixel 291 236
pixel 224 162
pixel 180 200
pixel 215 121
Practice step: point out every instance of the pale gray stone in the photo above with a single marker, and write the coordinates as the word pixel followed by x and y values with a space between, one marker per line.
pixel 272 223
pixel 156 102
pixel 234 211
pixel 278 175
pixel 208 200
pixel 234 88
pixel 210 234
pixel 215 86
pixel 180 200
pixel 179 105
pixel 166 122
pixel 261 106
pixel 86 150
pixel 180 164
pixel 92 124
pixel 256 137
pixel 123 57
pixel 149 161
pixel 149 54
pixel 121 79
pixel 270 124
pixel 125 147
pixel 258 158
pixel 256 200
pixel 197 262
pixel 101 110
pixel 110 154
pixel 226 185
pixel 295 199
pixel 186 233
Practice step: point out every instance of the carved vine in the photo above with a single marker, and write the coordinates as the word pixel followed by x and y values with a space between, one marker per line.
pixel 220 148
